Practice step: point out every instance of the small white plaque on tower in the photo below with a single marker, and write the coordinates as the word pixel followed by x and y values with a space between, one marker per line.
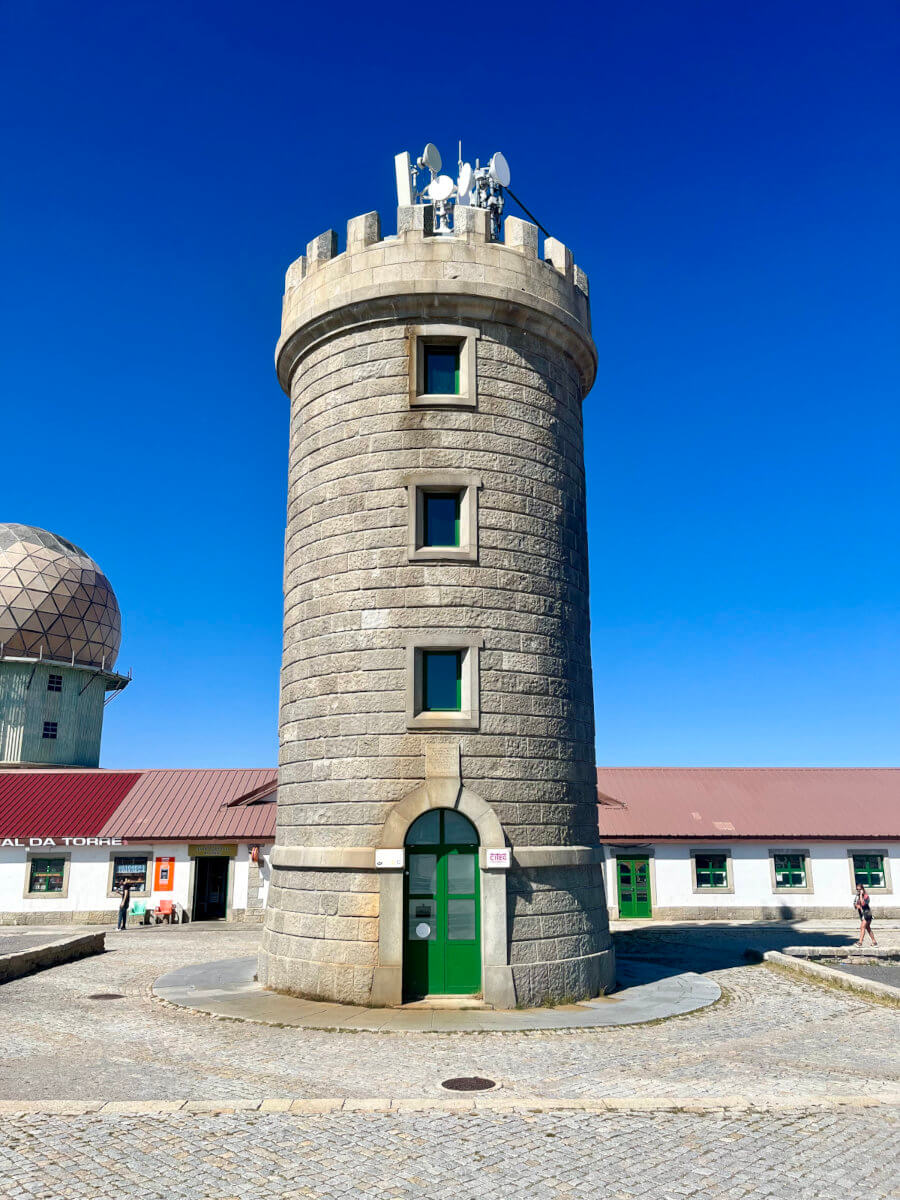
pixel 389 860
pixel 500 860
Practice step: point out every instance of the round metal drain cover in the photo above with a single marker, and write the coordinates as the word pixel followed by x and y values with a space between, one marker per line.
pixel 106 996
pixel 468 1083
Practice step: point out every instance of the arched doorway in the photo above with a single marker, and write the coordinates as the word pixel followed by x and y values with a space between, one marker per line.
pixel 442 907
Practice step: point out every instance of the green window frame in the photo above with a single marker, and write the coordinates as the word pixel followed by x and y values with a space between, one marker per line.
pixel 441 680
pixel 46 874
pixel 440 517
pixel 711 870
pixel 790 870
pixel 441 369
pixel 868 869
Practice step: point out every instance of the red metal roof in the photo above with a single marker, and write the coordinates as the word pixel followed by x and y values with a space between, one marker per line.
pixel 60 804
pixel 637 803
pixel 190 803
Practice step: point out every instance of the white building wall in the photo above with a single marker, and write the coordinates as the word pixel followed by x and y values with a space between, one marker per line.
pixel 672 889
pixel 86 899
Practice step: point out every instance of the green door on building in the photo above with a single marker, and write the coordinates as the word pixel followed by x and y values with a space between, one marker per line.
pixel 442 907
pixel 634 887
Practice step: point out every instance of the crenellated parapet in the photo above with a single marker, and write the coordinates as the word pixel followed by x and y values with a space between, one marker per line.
pixel 396 277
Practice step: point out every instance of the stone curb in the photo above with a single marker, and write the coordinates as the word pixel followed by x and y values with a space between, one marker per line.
pixel 483 1103
pixel 50 954
pixel 853 983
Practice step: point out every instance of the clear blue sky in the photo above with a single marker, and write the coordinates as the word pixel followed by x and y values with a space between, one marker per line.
pixel 728 175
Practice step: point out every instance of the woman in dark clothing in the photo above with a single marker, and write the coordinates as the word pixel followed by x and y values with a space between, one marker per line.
pixel 861 904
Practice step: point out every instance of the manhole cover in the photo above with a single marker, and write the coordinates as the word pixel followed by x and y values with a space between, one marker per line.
pixel 468 1083
pixel 106 996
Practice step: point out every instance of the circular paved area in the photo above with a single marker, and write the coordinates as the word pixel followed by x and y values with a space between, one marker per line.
pixel 228 988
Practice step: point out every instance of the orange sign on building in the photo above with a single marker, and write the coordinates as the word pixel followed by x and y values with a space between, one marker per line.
pixel 164 873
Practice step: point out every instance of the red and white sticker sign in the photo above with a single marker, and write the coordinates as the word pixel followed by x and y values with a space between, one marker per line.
pixel 499 858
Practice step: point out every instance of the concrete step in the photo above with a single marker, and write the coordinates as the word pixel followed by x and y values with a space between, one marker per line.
pixel 447 1002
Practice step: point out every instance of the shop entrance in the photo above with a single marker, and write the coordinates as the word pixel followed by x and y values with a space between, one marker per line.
pixel 210 888
pixel 634 887
pixel 442 907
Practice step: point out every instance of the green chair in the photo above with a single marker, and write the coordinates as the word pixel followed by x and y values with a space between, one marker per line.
pixel 139 909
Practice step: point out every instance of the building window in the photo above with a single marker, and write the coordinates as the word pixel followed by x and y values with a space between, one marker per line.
pixel 46 875
pixel 131 867
pixel 442 516
pixel 441 369
pixel 54 683
pixel 711 871
pixel 442 366
pixel 442 682
pixel 440 522
pixel 790 871
pixel 868 869
pixel 50 729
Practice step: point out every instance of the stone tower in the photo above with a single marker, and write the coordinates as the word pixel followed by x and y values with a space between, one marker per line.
pixel 436 652
pixel 59 638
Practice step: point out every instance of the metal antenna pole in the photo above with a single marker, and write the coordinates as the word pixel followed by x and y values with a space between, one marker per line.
pixel 545 232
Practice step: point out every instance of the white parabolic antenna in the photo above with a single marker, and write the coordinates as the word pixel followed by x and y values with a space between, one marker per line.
pixel 441 188
pixel 431 157
pixel 464 186
pixel 500 170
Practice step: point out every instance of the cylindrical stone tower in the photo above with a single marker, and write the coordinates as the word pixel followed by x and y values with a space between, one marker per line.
pixel 437 807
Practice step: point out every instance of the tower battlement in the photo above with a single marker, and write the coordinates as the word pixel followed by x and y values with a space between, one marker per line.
pixel 418 263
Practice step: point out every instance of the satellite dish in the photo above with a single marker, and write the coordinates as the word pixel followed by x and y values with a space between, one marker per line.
pixel 441 188
pixel 500 170
pixel 431 157
pixel 464 185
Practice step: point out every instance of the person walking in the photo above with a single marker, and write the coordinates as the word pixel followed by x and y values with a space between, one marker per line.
pixel 125 889
pixel 861 904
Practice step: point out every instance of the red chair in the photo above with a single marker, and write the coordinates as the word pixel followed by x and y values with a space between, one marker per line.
pixel 165 911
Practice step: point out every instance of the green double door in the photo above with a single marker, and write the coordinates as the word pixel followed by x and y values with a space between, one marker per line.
pixel 633 876
pixel 442 907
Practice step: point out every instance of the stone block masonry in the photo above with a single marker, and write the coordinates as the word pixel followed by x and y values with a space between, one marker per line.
pixel 352 765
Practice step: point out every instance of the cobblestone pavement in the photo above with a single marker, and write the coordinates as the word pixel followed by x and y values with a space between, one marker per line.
pixel 771 1036
pixel 785 1063
pixel 802 1156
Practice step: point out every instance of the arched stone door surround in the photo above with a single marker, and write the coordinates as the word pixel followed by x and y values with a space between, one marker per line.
pixel 496 974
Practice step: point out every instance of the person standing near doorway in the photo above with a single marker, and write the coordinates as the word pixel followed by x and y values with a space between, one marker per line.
pixel 125 889
pixel 861 904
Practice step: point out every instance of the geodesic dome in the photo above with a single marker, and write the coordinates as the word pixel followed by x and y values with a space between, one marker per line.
pixel 55 600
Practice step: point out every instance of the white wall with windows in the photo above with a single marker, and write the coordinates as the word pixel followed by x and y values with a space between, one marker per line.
pixel 757 880
pixel 68 882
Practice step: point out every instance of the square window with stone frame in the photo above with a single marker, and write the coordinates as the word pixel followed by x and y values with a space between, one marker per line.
pixel 443 681
pixel 790 870
pixel 442 366
pixel 711 870
pixel 868 869
pixel 132 868
pixel 46 875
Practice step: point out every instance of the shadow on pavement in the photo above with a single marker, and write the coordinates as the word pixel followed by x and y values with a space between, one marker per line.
pixel 645 955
